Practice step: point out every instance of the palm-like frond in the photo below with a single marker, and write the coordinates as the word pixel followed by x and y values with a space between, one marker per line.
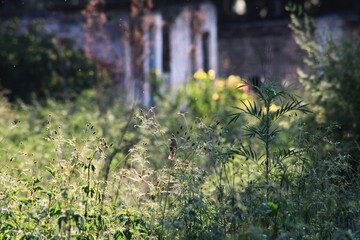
pixel 282 154
pixel 246 152
pixel 249 108
pixel 288 107
pixel 252 131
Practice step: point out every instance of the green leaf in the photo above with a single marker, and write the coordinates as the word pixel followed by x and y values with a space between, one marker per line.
pixel 61 220
pixel 86 189
pixel 246 151
pixel 37 188
pixel 79 221
pixel 10 225
pixel 25 200
pixel 93 167
pixel 51 171
pixel 118 235
pixel 274 207
pixel 54 210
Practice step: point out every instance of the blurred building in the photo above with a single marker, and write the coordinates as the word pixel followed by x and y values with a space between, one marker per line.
pixel 133 38
pixel 250 38
pixel 255 40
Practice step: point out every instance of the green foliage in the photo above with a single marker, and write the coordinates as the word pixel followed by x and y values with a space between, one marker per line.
pixel 52 172
pixel 34 63
pixel 74 171
pixel 156 82
pixel 332 80
pixel 266 130
pixel 207 97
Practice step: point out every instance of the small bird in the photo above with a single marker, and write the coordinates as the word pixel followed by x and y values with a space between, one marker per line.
pixel 172 148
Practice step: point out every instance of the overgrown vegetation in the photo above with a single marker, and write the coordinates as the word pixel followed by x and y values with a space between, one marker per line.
pixel 331 80
pixel 261 183
pixel 33 63
pixel 259 164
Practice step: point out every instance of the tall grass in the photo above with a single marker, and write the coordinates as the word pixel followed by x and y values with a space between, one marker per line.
pixel 63 177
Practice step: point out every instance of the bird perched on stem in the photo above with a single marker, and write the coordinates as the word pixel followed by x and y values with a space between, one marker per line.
pixel 172 148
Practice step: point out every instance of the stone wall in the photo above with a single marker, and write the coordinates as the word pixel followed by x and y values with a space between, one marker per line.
pixel 267 51
pixel 108 44
pixel 184 39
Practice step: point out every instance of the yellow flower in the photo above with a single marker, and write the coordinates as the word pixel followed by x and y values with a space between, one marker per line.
pixel 215 96
pixel 274 108
pixel 211 74
pixel 220 85
pixel 233 81
pixel 200 74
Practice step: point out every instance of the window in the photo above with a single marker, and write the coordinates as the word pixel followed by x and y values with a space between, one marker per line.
pixel 166 49
pixel 205 51
pixel 151 46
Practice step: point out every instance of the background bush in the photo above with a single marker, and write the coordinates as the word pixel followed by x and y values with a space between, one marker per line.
pixel 34 63
pixel 332 81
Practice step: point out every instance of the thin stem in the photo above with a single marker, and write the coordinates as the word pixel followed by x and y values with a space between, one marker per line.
pixel 88 188
pixel 88 184
pixel 164 209
pixel 233 200
pixel 68 227
pixel 110 157
pixel 267 147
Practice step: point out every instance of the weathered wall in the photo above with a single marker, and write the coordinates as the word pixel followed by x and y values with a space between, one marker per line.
pixel 210 26
pixel 180 47
pixel 268 51
pixel 181 41
pixel 109 45
pixel 112 45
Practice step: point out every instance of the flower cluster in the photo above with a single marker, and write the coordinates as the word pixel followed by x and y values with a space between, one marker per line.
pixel 221 86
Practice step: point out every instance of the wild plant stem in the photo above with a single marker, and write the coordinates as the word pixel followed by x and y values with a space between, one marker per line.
pixel 267 147
pixel 110 157
pixel 88 184
pixel 164 209
pixel 68 228
pixel 233 200
pixel 88 189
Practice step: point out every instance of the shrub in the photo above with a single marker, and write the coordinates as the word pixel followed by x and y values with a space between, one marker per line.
pixel 206 96
pixel 34 63
pixel 332 81
pixel 71 171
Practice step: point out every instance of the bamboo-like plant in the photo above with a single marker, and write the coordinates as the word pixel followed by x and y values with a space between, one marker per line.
pixel 271 104
pixel 266 130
